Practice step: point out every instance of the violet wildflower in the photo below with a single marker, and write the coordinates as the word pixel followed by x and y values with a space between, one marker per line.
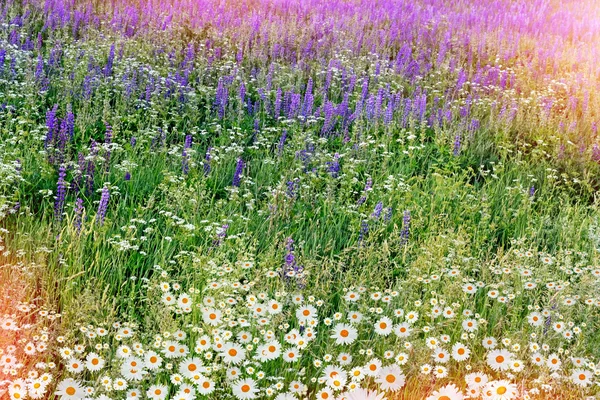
pixel 109 61
pixel 282 140
pixel 377 212
pixel 221 235
pixel 334 166
pixel 292 188
pixel 388 214
pixel 206 164
pixel 364 229
pixel 103 205
pixel 457 144
pixel 108 135
pixel 237 176
pixel 61 193
pixel 405 232
pixel 368 186
pixel 78 214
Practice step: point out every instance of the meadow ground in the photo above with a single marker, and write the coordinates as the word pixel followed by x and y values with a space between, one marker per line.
pixel 284 199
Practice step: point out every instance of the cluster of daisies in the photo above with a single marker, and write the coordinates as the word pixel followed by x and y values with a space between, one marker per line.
pixel 246 333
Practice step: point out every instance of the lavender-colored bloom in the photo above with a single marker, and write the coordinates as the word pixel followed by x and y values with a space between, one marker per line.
pixel 457 144
pixel 78 214
pixel 388 214
pixel 108 135
pixel 127 176
pixel 290 267
pixel 206 164
pixel 368 186
pixel 132 142
pixel 281 143
pixel 405 232
pixel 103 205
pixel 109 61
pixel 188 142
pixel 377 212
pixel 531 191
pixel 237 176
pixel 334 166
pixel 221 235
pixel 2 60
pixel 70 122
pixel 364 229
pixel 51 124
pixel 292 188
pixel 61 193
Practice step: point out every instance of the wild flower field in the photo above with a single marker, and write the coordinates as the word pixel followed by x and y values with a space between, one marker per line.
pixel 299 199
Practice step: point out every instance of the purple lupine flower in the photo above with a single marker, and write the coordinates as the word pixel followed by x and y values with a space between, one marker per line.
pixel 388 214
pixel 405 232
pixel 457 145
pixel 292 188
pixel 364 229
pixel 127 176
pixel 206 164
pixel 185 167
pixel 531 191
pixel 132 142
pixel 15 208
pixel 277 108
pixel 377 211
pixel 221 235
pixel 595 153
pixel 290 268
pixel 61 193
pixel 368 186
pixel 63 139
pixel 2 60
pixel 282 140
pixel 51 124
pixel 334 166
pixel 78 214
pixel 242 93
pixel 70 122
pixel 109 61
pixel 39 70
pixel 188 142
pixel 237 176
pixel 103 205
pixel 108 135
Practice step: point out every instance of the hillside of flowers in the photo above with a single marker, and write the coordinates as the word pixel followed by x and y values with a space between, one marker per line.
pixel 299 199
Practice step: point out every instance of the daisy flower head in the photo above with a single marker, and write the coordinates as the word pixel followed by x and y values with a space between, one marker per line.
pixel 233 353
pixel 372 367
pixel 448 392
pixel 245 389
pixel 499 360
pixel 476 379
pixel 500 390
pixel 581 377
pixel 306 313
pixel 344 334
pixel 390 378
pixel 157 392
pixel 460 352
pixel 363 394
pixel 70 389
pixel 384 326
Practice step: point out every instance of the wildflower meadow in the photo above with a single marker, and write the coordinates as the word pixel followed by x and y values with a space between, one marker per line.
pixel 299 199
